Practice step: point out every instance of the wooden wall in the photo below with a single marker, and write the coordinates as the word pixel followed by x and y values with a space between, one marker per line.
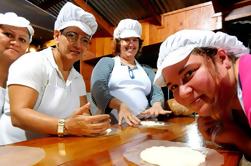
pixel 200 16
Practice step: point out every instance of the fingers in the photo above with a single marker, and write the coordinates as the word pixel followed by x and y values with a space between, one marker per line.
pixel 85 125
pixel 97 125
pixel 155 112
pixel 164 112
pixel 148 113
pixel 85 109
pixel 98 128
pixel 130 119
pixel 98 118
pixel 125 113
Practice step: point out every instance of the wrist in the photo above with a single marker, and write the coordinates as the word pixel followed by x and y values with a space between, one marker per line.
pixel 61 128
pixel 157 104
pixel 115 104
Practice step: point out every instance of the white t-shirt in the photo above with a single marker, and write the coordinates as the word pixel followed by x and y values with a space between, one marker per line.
pixel 57 97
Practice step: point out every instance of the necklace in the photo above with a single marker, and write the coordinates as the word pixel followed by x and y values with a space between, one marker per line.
pixel 130 71
pixel 130 67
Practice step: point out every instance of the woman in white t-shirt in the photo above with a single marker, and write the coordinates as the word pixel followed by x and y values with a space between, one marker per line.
pixel 47 96
pixel 15 37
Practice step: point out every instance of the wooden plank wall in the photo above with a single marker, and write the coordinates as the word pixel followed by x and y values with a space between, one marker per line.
pixel 200 16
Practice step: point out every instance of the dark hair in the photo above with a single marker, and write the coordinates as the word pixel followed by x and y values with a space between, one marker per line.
pixel 116 47
pixel 211 52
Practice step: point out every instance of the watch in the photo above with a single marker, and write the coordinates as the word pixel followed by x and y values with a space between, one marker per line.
pixel 61 123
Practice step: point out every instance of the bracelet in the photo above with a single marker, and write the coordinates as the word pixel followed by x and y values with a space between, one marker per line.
pixel 61 126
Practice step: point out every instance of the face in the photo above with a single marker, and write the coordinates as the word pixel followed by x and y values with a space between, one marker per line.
pixel 14 42
pixel 72 43
pixel 129 47
pixel 197 84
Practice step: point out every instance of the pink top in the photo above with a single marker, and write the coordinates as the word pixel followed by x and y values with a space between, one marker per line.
pixel 245 79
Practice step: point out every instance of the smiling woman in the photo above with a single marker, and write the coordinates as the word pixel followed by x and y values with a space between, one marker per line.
pixel 121 86
pixel 15 37
pixel 46 91
pixel 209 73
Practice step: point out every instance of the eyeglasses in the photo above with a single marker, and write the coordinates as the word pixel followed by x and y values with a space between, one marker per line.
pixel 73 37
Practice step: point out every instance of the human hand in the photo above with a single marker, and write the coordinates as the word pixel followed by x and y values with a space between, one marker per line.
pixel 125 113
pixel 155 110
pixel 82 124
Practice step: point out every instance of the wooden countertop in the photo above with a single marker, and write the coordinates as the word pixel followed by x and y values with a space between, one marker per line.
pixel 109 150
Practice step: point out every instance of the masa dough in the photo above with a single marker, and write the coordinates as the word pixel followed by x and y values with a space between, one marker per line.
pixel 172 156
pixel 108 130
pixel 152 123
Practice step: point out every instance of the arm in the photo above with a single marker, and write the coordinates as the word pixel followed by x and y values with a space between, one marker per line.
pixel 156 96
pixel 101 95
pixel 22 100
pixel 99 84
pixel 24 87
pixel 123 112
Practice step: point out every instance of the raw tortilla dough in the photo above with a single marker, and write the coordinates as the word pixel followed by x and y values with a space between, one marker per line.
pixel 172 156
pixel 108 130
pixel 152 123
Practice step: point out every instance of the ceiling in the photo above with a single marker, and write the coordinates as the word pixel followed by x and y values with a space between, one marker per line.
pixel 42 13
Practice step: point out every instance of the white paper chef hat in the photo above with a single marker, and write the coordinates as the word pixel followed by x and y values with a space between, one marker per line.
pixel 11 18
pixel 72 15
pixel 179 45
pixel 127 28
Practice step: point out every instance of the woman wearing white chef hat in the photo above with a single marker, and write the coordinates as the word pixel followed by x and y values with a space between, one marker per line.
pixel 15 37
pixel 210 73
pixel 121 86
pixel 47 96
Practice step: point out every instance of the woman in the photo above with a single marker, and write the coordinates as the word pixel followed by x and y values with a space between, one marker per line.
pixel 15 38
pixel 206 73
pixel 120 85
pixel 47 96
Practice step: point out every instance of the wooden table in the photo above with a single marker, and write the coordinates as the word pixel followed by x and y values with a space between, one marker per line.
pixel 109 150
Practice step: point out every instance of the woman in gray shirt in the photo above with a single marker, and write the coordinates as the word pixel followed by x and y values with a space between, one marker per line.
pixel 120 85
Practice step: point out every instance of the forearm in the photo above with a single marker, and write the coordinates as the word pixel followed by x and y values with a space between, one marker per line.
pixel 115 104
pixel 157 96
pixel 34 121
pixel 157 104
pixel 99 83
pixel 101 96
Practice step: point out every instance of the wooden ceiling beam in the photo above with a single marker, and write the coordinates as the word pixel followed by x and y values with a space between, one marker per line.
pixel 233 10
pixel 226 7
pixel 104 25
pixel 156 18
pixel 242 4
pixel 48 3
pixel 239 13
